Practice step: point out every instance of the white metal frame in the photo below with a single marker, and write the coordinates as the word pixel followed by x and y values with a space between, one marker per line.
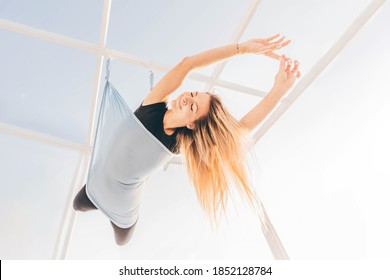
pixel 211 81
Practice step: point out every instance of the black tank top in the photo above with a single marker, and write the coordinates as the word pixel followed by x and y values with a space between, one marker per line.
pixel 152 116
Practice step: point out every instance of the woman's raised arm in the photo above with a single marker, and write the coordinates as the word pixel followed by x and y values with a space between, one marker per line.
pixel 284 80
pixel 175 77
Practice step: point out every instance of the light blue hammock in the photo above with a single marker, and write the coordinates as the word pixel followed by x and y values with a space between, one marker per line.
pixel 124 154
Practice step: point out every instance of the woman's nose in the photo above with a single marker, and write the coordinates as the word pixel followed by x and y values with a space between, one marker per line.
pixel 185 99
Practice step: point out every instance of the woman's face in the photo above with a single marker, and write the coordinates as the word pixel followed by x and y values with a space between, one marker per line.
pixel 191 106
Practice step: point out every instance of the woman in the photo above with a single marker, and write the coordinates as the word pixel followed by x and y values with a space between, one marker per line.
pixel 198 126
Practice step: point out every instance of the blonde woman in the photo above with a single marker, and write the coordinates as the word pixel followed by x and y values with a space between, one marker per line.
pixel 198 126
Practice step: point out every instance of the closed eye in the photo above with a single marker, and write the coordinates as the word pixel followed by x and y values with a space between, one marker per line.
pixel 192 105
pixel 196 107
pixel 192 95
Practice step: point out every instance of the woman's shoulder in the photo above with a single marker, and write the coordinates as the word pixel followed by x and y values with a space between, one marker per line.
pixel 148 108
pixel 161 103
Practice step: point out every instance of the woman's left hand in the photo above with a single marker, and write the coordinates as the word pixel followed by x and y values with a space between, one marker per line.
pixel 287 74
pixel 265 46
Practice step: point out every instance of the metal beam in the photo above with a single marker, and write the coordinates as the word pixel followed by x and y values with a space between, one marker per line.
pixel 67 223
pixel 68 215
pixel 43 138
pixel 47 36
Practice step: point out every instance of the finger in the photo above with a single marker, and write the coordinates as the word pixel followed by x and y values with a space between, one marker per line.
pixel 285 58
pixel 296 65
pixel 282 64
pixel 286 43
pixel 278 41
pixel 277 44
pixel 272 37
pixel 273 55
pixel 288 62
pixel 271 48
pixel 298 74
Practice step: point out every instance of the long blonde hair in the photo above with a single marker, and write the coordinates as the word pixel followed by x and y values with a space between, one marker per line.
pixel 215 154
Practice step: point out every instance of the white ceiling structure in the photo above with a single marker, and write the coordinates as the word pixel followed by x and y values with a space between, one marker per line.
pixel 323 154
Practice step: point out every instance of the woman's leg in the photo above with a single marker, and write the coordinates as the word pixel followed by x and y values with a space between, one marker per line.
pixel 82 203
pixel 123 235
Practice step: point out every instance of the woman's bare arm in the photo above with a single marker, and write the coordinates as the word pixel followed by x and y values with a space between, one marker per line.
pixel 284 80
pixel 175 77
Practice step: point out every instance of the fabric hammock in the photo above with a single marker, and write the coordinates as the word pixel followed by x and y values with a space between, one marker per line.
pixel 124 154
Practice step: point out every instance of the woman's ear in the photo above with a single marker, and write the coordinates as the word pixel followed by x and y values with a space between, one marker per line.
pixel 190 126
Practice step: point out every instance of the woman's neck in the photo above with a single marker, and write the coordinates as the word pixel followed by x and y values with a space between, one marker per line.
pixel 171 122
